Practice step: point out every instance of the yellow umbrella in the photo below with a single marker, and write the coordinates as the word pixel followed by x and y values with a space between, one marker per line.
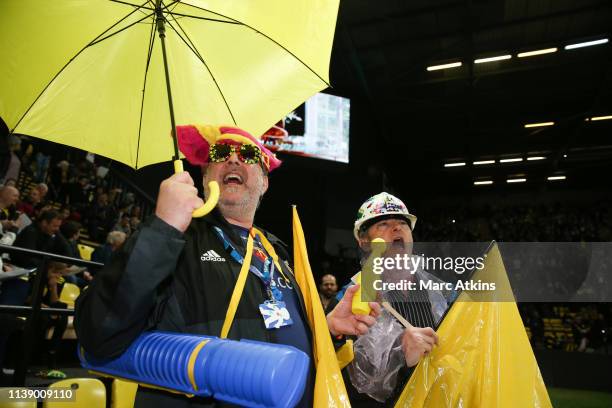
pixel 99 74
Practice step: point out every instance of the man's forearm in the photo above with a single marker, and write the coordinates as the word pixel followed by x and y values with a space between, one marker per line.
pixel 115 309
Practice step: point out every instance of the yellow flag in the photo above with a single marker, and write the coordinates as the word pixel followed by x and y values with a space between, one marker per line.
pixel 484 358
pixel 329 386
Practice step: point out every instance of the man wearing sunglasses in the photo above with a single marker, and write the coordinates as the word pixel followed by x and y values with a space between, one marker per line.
pixel 179 274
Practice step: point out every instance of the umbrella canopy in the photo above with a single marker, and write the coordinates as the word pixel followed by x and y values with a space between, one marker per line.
pixel 90 74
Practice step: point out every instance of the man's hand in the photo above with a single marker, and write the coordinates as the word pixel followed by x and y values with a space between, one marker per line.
pixel 177 199
pixel 417 342
pixel 7 224
pixel 341 320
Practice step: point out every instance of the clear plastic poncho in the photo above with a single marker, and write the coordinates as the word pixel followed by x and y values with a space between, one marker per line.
pixel 378 354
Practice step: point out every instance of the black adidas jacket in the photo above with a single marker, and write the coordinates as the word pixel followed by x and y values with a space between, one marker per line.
pixel 158 281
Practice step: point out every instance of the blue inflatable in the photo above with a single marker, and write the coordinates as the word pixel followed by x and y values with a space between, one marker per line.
pixel 246 372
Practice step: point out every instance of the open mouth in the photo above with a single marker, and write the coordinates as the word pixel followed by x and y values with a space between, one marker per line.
pixel 398 243
pixel 232 179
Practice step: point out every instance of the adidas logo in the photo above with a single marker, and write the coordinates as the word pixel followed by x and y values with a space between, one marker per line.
pixel 212 256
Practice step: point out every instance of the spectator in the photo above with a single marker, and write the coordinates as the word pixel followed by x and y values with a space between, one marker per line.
pixel 65 213
pixel 327 292
pixel 26 159
pixel 43 156
pixel 44 236
pixel 55 283
pixel 134 223
pixel 5 153
pixel 136 211
pixel 128 201
pixel 71 231
pixel 78 194
pixel 99 217
pixel 10 182
pixel 28 205
pixel 165 257
pixel 8 198
pixel 124 225
pixel 385 355
pixel 43 189
pixel 41 236
pixel 13 292
pixel 14 166
pixel 113 197
pixel 582 331
pixel 59 179
pixel 68 213
pixel 114 241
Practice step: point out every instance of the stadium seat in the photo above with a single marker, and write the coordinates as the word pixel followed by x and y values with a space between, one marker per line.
pixel 123 394
pixel 89 393
pixel 69 293
pixel 85 251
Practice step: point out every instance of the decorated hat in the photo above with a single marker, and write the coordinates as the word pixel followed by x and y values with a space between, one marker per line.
pixel 195 140
pixel 379 206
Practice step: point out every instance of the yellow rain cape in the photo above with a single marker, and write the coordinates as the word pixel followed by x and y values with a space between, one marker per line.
pixel 484 358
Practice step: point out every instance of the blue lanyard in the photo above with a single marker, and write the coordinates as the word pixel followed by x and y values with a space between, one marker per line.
pixel 268 267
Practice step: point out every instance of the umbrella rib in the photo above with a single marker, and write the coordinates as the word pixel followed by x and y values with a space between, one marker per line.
pixel 211 12
pixel 175 3
pixel 189 45
pixel 112 26
pixel 259 32
pixel 119 31
pixel 144 88
pixel 205 18
pixel 68 63
pixel 216 20
pixel 133 5
pixel 188 42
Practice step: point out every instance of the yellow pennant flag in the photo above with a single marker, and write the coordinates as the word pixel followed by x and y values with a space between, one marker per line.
pixel 484 358
pixel 329 388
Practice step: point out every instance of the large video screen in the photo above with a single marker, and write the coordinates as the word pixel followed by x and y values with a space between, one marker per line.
pixel 318 128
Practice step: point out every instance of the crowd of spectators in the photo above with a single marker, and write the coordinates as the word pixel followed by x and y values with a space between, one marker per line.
pixel 555 222
pixel 46 204
pixel 579 327
pixel 72 182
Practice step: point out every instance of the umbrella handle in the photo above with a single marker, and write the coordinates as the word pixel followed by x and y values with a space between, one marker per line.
pixel 214 193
